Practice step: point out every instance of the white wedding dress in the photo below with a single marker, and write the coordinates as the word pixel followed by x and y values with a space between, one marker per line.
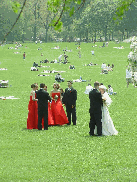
pixel 107 123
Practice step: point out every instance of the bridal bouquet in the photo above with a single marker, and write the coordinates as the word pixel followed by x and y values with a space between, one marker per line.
pixel 104 99
pixel 56 98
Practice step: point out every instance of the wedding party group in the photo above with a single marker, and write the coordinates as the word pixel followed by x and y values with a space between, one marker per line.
pixel 47 110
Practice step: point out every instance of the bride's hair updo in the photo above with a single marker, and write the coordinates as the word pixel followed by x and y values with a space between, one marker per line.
pixel 103 87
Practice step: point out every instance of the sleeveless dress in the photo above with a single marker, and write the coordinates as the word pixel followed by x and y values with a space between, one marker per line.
pixel 58 112
pixel 32 120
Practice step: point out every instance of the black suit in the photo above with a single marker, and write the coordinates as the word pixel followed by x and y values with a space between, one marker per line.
pixel 69 99
pixel 43 98
pixel 95 111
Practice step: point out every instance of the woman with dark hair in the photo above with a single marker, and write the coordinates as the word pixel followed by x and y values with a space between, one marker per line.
pixel 58 112
pixel 58 86
pixel 32 120
pixel 61 92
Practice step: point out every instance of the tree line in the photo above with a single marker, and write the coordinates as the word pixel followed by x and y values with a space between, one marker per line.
pixel 48 20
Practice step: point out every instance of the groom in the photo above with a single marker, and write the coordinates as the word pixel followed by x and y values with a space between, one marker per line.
pixel 95 110
pixel 43 98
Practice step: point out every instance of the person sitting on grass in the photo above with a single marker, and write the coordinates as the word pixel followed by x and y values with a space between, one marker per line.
pixel 35 64
pixel 112 66
pixel 109 68
pixel 46 61
pixel 92 52
pixel 65 57
pixel 34 69
pixel 104 69
pixel 110 90
pixel 90 64
pixel 58 78
pixel 60 58
pixel 55 61
pixel 71 67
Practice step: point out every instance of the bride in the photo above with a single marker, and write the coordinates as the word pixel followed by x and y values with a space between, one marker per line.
pixel 107 123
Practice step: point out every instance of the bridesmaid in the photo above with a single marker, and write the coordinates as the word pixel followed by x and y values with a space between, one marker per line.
pixel 32 120
pixel 58 112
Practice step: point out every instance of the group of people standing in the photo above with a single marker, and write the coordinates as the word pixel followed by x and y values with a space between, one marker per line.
pixel 45 110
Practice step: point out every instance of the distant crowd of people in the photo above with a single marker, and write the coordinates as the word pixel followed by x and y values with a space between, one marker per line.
pixel 105 68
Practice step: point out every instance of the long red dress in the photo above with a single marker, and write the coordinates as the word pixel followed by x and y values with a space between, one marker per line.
pixel 32 120
pixel 50 117
pixel 58 112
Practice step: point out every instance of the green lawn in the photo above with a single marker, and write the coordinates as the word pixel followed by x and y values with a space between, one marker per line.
pixel 67 153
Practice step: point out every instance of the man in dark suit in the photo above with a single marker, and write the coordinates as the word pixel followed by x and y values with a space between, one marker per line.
pixel 95 110
pixel 43 98
pixel 69 99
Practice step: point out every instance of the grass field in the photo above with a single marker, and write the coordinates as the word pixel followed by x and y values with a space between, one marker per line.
pixel 67 153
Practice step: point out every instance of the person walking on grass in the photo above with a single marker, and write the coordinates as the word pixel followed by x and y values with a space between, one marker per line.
pixel 24 55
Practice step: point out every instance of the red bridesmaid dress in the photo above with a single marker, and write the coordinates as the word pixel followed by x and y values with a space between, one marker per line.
pixel 50 117
pixel 57 110
pixel 32 120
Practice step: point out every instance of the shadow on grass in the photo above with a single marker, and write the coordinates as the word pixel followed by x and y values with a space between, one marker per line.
pixel 94 136
pixel 30 130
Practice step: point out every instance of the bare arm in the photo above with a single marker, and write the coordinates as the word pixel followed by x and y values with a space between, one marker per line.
pixel 33 96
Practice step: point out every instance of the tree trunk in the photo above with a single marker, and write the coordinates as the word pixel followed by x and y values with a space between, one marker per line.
pixel 95 36
pixel 80 36
pixel 87 36
pixel 23 38
pixel 46 37
pixel 106 33
pixel 35 25
pixel 112 36
pixel 34 33
pixel 124 35
pixel 109 36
